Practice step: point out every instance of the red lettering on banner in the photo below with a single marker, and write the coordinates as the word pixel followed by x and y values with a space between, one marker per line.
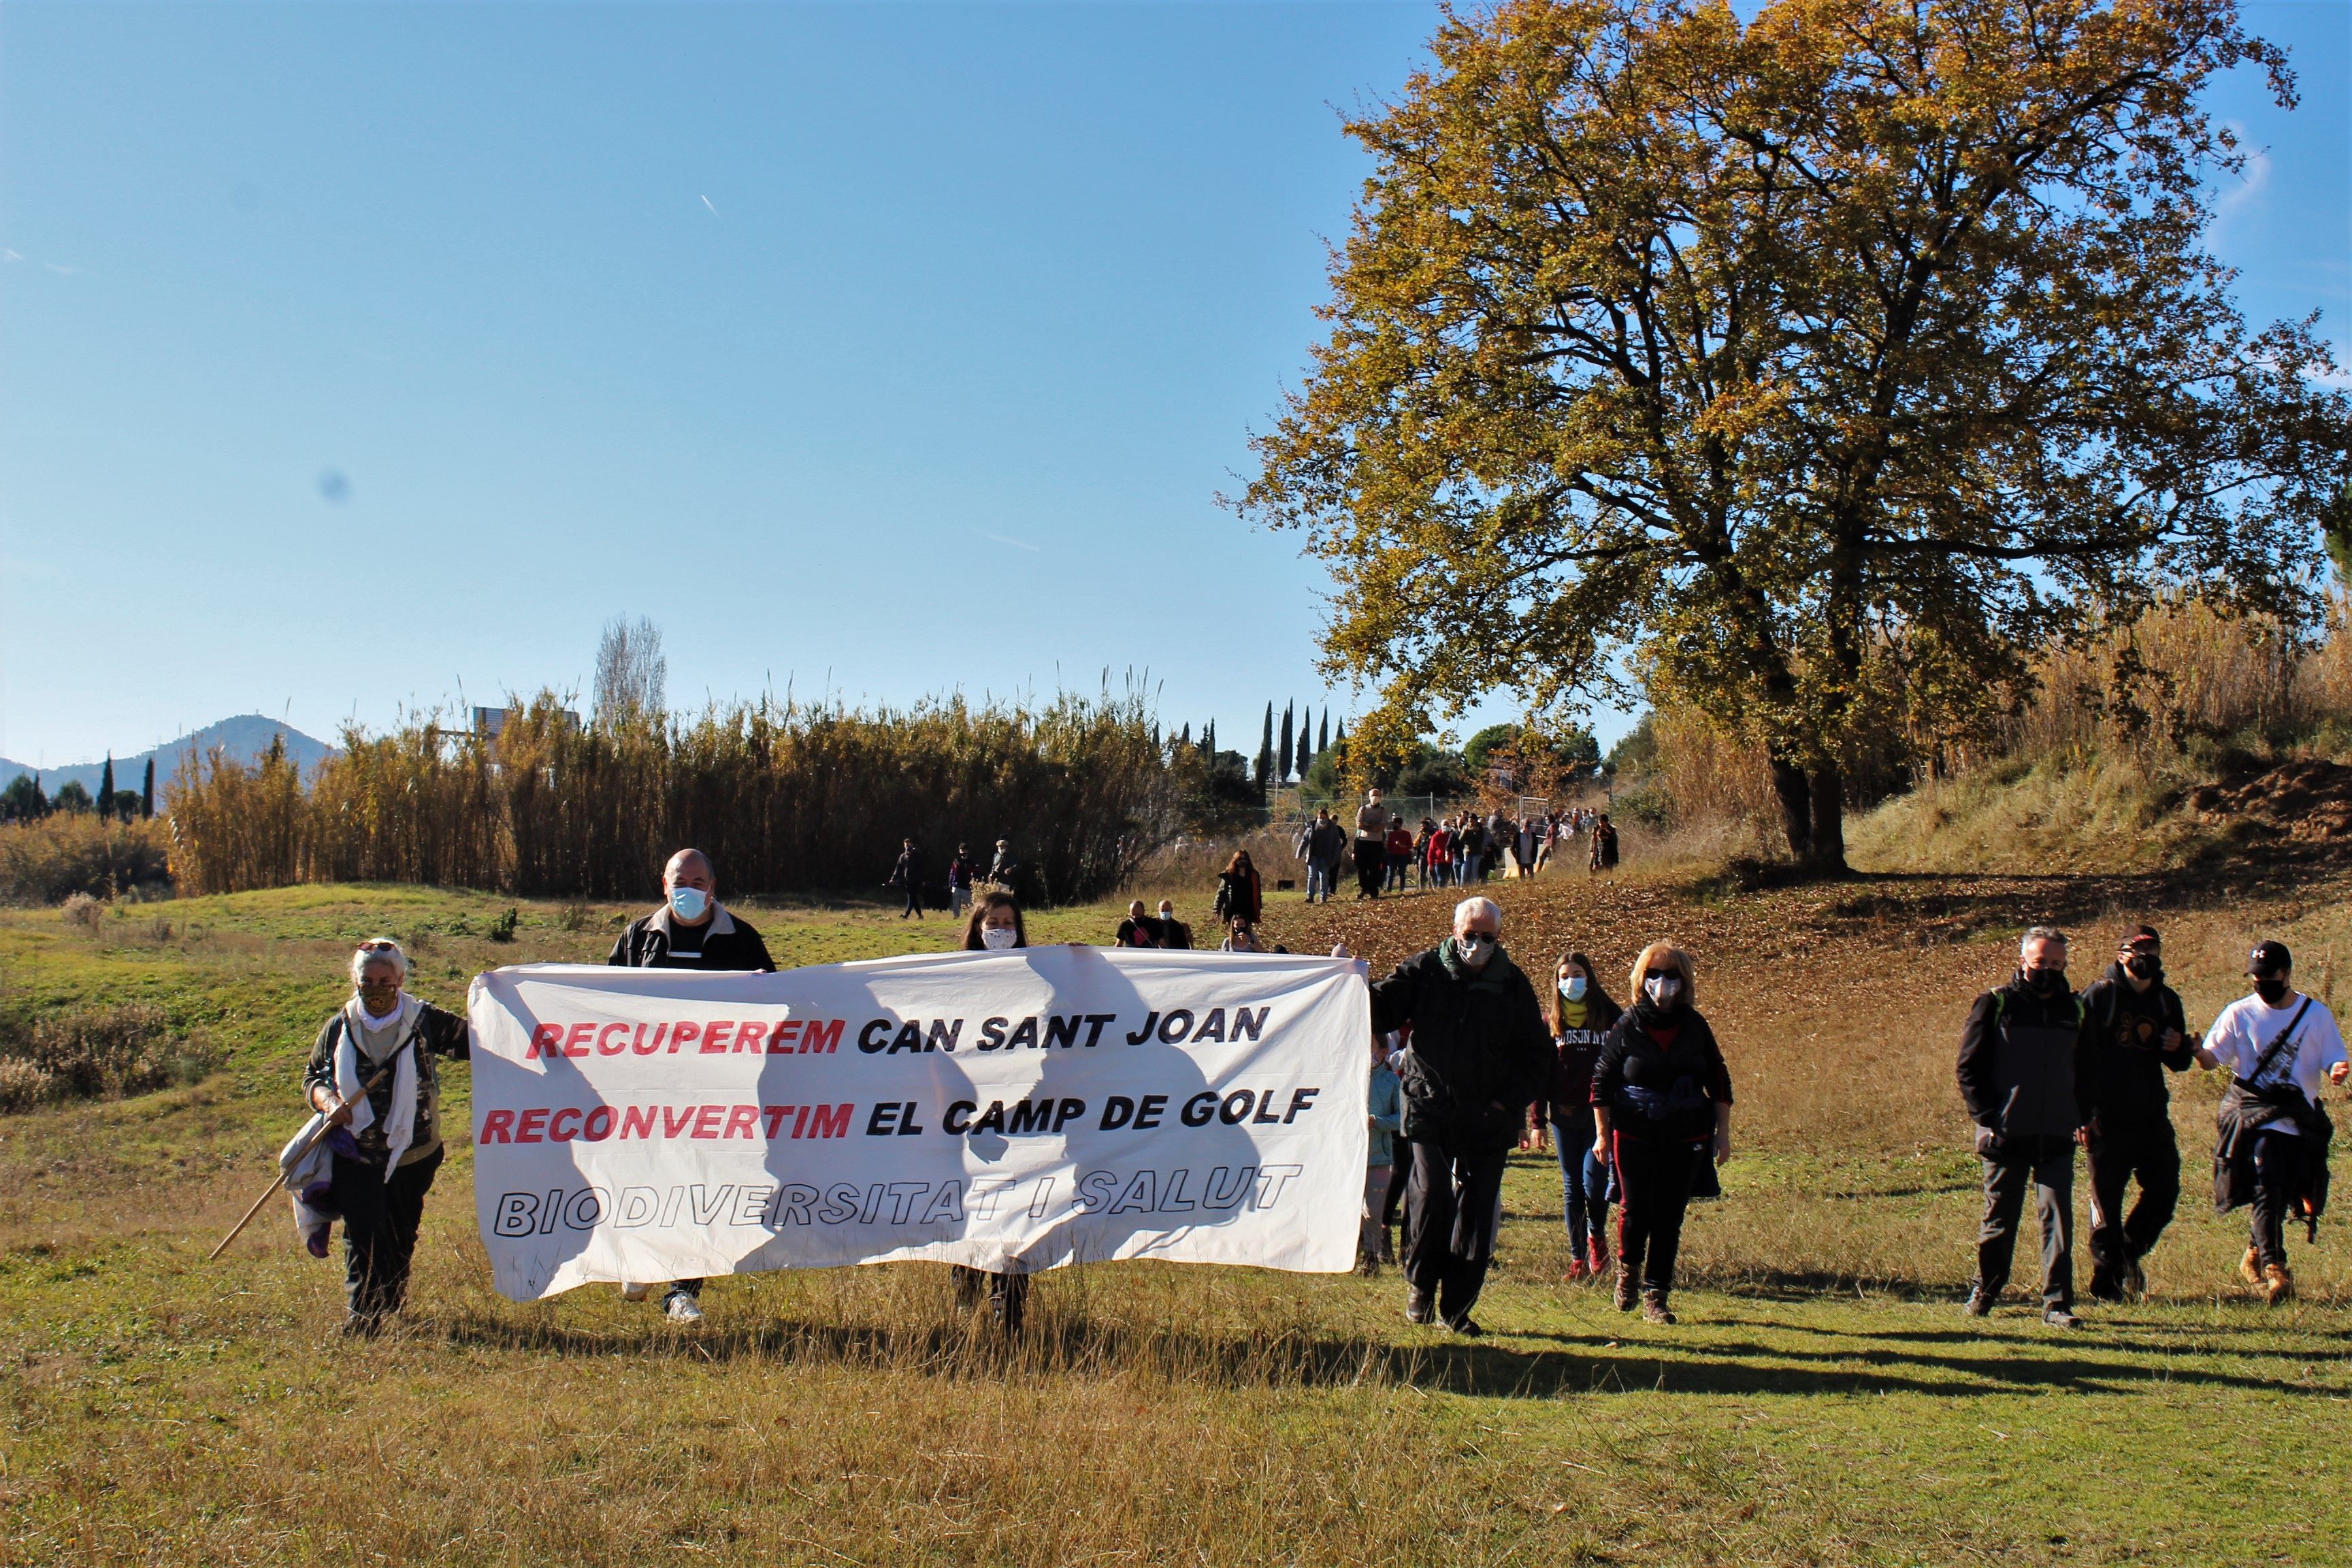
pixel 637 1122
pixel 528 1129
pixel 743 1121
pixel 682 1033
pixel 706 1121
pixel 830 1122
pixel 576 1044
pixel 715 1036
pixel 607 1046
pixel 545 1041
pixel 750 1036
pixel 498 1127
pixel 822 1036
pixel 780 1041
pixel 674 1125
pixel 659 1029
pixel 775 1115
pixel 599 1125
pixel 555 1130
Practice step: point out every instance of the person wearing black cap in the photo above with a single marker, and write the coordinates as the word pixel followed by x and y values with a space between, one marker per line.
pixel 2137 1034
pixel 2021 1058
pixel 2272 1149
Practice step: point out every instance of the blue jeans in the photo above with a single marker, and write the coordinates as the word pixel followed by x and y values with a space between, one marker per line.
pixel 1584 1183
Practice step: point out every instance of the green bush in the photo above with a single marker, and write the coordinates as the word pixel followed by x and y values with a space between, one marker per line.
pixel 95 1053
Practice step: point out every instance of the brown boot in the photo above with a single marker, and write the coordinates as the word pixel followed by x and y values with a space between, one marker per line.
pixel 2250 1268
pixel 2278 1284
pixel 1629 1289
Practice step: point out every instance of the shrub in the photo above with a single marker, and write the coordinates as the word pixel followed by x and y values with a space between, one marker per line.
pixel 95 1053
pixel 81 910
pixel 43 862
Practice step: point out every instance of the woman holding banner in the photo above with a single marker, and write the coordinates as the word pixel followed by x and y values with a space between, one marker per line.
pixel 377 1051
pixel 994 926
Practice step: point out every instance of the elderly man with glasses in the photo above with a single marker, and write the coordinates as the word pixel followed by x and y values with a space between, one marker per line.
pixel 1481 1053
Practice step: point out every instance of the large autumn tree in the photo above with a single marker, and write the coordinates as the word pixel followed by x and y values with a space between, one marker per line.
pixel 1816 369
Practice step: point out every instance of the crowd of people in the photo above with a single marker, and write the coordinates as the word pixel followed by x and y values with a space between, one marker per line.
pixel 1470 1061
pixel 1462 849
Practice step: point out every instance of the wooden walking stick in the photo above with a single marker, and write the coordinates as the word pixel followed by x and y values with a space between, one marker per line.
pixel 311 1142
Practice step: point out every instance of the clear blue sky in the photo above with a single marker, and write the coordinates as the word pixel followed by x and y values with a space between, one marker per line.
pixel 352 355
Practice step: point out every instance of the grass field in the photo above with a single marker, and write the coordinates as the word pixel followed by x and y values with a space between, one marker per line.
pixel 1821 1401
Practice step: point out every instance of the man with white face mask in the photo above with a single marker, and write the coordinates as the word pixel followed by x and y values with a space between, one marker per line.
pixel 691 931
pixel 1481 1054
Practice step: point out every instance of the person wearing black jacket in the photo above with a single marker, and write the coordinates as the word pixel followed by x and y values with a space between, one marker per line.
pixel 1581 1016
pixel 908 877
pixel 1480 1055
pixel 691 930
pixel 1660 1106
pixel 2021 1074
pixel 2137 1034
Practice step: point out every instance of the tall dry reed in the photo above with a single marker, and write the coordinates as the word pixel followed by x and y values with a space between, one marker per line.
pixel 782 797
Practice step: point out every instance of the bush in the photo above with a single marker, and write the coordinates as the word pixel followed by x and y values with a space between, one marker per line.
pixel 44 862
pixel 81 910
pixel 95 1053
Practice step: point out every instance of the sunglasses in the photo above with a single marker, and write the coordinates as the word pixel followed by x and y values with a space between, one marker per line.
pixel 1662 975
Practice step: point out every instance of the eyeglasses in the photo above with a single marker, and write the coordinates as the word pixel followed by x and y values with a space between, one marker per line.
pixel 1662 975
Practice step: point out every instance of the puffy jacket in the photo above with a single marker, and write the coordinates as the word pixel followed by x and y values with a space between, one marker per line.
pixel 1480 1050
pixel 2021 1057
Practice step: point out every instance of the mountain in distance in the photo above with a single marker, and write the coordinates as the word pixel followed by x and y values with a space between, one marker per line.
pixel 240 739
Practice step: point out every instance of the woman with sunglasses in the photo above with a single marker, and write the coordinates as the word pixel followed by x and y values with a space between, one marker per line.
pixel 371 1074
pixel 1661 1105
pixel 1581 1016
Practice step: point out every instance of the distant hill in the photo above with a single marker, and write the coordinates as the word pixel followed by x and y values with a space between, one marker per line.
pixel 241 739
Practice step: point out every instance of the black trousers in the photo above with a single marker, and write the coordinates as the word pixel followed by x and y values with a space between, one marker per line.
pixel 914 903
pixel 2047 1166
pixel 1400 1173
pixel 380 1221
pixel 1371 863
pixel 1653 1186
pixel 2278 1174
pixel 1452 1202
pixel 1008 1294
pixel 2145 1149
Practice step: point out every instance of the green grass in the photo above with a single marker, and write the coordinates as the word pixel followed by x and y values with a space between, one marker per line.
pixel 1821 1402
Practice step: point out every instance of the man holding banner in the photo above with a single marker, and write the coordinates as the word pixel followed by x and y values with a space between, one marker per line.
pixel 691 931
pixel 1480 1054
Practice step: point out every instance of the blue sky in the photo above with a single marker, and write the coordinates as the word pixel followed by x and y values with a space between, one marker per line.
pixel 357 356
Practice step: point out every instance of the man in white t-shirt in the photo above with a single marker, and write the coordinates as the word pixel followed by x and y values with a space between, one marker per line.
pixel 2278 1045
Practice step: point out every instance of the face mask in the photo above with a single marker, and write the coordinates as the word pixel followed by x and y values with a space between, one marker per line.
pixel 2046 981
pixel 2143 966
pixel 2273 989
pixel 688 904
pixel 1575 988
pixel 1475 948
pixel 1662 990
pixel 999 938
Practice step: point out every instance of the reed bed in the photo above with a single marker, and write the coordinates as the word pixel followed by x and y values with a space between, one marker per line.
pixel 782 798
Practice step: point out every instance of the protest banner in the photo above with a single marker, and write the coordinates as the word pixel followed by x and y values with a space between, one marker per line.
pixel 1007 1111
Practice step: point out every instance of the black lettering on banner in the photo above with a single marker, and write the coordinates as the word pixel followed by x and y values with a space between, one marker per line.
pixel 1025 1033
pixel 1141 1193
pixel 1061 1030
pixel 1236 1106
pixel 991 1033
pixel 881 1122
pixel 1069 1111
pixel 1094 1192
pixel 906 1128
pixel 1213 1027
pixel 991 1120
pixel 1151 1022
pixel 1175 1027
pixel 1117 1110
pixel 957 1119
pixel 1095 1022
pixel 1246 1024
pixel 518 1215
pixel 1029 1116
pixel 1198 1108
pixel 1300 1099
pixel 791 1204
pixel 909 1036
pixel 870 1038
pixel 1265 1105
pixel 944 1034
pixel 1219 1195
pixel 1174 1200
pixel 1148 1113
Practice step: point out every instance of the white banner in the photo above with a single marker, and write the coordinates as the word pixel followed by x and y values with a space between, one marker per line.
pixel 1003 1110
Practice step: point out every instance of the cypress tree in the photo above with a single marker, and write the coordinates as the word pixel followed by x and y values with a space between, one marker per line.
pixel 1323 739
pixel 1284 756
pixel 106 790
pixel 1265 754
pixel 147 793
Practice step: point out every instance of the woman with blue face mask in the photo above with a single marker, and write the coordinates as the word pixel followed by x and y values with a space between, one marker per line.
pixel 1581 1016
pixel 1660 1106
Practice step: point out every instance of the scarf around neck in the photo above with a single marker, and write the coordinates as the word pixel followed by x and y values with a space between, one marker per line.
pixel 398 1028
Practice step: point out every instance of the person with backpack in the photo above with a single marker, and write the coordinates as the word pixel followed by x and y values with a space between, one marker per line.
pixel 2138 1034
pixel 2270 1152
pixel 1661 1109
pixel 2021 1055
pixel 1581 1016
pixel 1322 845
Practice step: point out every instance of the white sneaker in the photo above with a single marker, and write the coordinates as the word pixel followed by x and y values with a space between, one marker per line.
pixel 683 1308
pixel 636 1292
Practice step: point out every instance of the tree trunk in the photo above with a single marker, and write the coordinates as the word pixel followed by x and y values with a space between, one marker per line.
pixel 1796 808
pixel 1827 820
